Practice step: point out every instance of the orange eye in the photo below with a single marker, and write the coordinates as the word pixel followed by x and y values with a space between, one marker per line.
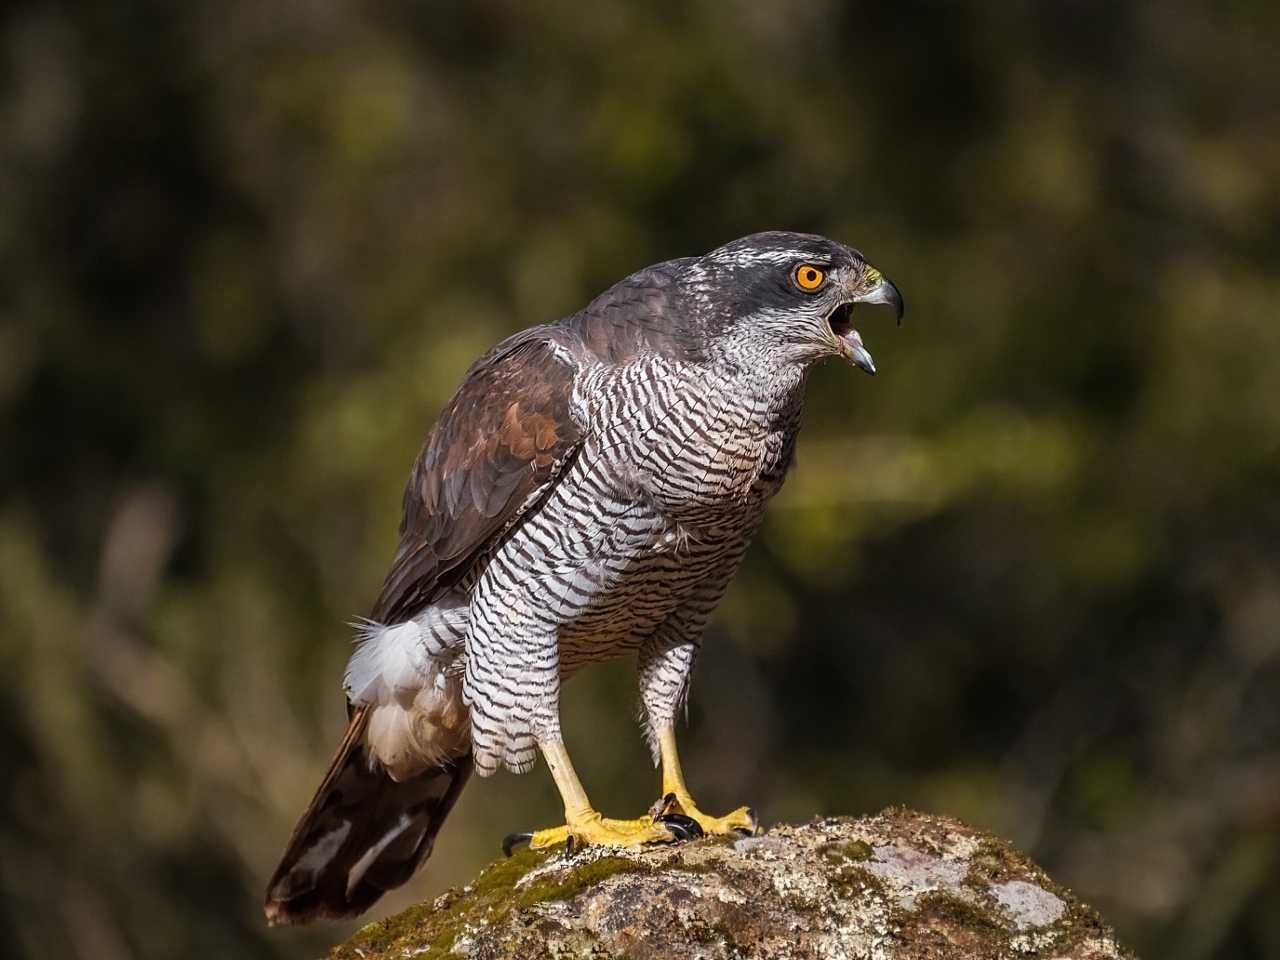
pixel 809 277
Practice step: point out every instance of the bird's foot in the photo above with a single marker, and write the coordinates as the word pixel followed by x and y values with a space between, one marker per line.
pixel 743 822
pixel 595 829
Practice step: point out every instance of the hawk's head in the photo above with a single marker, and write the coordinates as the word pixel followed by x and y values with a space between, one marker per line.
pixel 790 295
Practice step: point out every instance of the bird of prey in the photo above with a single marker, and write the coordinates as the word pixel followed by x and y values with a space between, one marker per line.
pixel 588 492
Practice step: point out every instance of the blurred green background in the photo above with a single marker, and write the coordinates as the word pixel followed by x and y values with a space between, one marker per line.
pixel 1029 575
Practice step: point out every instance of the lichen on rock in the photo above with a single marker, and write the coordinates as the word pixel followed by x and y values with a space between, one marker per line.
pixel 897 886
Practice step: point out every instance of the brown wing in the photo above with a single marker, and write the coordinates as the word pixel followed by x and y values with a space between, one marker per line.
pixel 502 441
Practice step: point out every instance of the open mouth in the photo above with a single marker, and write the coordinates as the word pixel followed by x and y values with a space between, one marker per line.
pixel 850 340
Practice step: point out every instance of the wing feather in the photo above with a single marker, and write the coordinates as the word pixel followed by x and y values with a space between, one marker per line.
pixel 503 438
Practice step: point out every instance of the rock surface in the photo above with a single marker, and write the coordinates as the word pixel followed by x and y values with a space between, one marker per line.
pixel 897 885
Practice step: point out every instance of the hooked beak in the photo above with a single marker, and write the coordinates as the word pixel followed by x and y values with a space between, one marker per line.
pixel 883 292
pixel 880 291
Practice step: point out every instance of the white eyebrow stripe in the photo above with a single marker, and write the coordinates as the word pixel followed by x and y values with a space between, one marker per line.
pixel 745 257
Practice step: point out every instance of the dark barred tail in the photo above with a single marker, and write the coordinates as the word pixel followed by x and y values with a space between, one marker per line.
pixel 362 835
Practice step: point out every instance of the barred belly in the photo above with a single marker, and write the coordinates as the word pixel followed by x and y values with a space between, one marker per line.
pixel 598 580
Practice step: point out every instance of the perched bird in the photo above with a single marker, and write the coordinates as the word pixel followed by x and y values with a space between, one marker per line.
pixel 589 491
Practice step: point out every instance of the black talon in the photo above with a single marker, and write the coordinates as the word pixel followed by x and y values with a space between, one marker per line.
pixel 512 839
pixel 680 826
pixel 667 804
pixel 568 845
pixel 754 830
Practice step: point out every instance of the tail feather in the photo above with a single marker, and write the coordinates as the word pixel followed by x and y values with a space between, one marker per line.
pixel 362 834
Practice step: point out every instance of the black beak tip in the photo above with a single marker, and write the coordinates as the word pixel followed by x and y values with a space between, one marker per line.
pixel 895 298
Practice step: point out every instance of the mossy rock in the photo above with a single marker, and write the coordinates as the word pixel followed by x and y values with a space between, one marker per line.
pixel 898 885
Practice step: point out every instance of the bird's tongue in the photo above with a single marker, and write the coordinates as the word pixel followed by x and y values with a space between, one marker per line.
pixel 855 351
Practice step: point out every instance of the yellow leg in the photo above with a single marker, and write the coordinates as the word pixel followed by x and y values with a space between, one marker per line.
pixel 742 820
pixel 583 825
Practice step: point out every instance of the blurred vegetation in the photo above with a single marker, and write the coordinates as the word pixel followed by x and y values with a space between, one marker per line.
pixel 1028 576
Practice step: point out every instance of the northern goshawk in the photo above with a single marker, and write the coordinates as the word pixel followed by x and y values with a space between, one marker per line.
pixel 588 491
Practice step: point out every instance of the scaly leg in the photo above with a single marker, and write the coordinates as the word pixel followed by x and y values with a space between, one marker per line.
pixel 583 825
pixel 677 799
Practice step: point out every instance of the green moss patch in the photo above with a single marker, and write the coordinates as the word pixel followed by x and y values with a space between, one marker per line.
pixel 854 881
pixel 996 862
pixel 966 929
pixel 487 901
pixel 852 851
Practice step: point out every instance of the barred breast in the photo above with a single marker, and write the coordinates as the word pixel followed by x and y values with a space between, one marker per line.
pixel 709 446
